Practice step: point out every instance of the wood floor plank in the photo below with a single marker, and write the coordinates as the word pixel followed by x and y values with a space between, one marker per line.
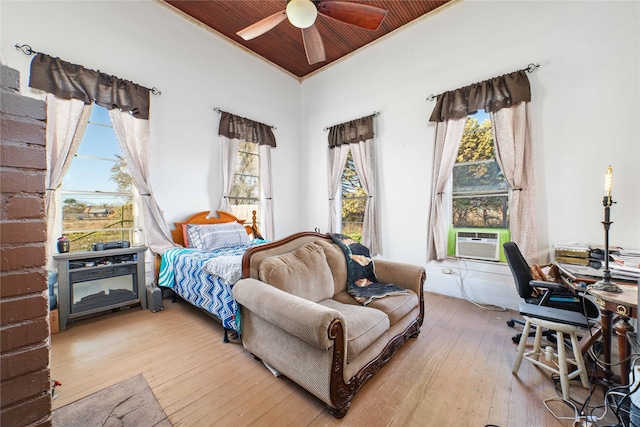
pixel 456 372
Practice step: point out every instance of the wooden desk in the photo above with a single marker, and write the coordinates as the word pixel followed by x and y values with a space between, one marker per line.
pixel 625 306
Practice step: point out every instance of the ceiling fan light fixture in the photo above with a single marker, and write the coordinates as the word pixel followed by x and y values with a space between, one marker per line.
pixel 301 13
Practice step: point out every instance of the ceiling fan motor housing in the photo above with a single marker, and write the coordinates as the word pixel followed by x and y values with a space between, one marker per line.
pixel 301 13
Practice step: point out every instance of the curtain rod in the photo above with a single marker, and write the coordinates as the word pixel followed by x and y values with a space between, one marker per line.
pixel 222 111
pixel 529 69
pixel 26 49
pixel 374 114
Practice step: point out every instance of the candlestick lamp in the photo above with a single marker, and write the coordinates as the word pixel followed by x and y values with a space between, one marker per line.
pixel 606 284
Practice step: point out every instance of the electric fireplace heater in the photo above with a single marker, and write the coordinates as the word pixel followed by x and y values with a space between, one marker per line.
pixel 99 288
pixel 96 281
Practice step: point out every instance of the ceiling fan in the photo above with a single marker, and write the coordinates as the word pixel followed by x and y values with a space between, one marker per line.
pixel 303 14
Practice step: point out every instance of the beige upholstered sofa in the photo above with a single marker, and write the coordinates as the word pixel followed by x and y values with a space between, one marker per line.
pixel 299 320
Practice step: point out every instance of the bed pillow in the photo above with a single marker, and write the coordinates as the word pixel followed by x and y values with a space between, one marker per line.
pixel 217 236
pixel 303 272
pixel 185 236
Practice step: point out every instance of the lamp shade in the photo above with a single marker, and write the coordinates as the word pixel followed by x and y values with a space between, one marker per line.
pixel 301 13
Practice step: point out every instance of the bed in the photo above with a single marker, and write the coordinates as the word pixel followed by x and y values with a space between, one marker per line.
pixel 203 270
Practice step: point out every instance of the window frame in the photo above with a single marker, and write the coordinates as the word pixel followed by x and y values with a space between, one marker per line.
pixel 240 213
pixel 364 197
pixel 503 231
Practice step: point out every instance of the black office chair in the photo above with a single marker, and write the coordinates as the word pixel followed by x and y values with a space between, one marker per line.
pixel 550 294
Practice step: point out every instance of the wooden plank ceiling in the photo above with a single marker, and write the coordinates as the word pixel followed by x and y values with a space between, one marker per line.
pixel 283 44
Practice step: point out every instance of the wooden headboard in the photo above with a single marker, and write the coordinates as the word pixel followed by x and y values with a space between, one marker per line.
pixel 202 218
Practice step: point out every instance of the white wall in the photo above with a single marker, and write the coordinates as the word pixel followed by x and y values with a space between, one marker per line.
pixel 196 72
pixel 584 116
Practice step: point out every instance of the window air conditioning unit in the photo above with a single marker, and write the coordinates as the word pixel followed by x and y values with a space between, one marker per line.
pixel 481 245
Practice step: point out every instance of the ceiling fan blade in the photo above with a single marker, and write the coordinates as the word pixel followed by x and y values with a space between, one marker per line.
pixel 262 26
pixel 313 45
pixel 358 14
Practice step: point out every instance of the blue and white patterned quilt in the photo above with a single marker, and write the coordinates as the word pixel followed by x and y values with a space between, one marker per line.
pixel 183 270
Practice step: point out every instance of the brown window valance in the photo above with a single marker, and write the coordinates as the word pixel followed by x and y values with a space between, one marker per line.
pixel 490 95
pixel 66 80
pixel 350 132
pixel 237 127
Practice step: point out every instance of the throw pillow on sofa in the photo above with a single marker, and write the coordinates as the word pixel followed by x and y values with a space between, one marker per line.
pixel 303 272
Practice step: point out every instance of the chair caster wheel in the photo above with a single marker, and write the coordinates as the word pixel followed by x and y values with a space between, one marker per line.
pixel 516 338
pixel 511 323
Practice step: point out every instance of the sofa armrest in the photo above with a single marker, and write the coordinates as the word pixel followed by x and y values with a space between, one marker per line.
pixel 408 276
pixel 300 317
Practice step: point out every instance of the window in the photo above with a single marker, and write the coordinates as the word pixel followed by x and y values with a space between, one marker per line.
pixel 244 196
pixel 480 193
pixel 354 201
pixel 97 190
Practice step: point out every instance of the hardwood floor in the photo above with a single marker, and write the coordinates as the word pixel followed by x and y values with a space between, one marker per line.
pixel 456 373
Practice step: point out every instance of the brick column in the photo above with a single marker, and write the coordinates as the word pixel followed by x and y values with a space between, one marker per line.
pixel 24 309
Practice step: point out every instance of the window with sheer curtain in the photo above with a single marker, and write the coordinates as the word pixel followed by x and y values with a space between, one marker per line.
pixel 356 139
pixel 98 202
pixel 480 193
pixel 246 169
pixel 506 99
pixel 71 91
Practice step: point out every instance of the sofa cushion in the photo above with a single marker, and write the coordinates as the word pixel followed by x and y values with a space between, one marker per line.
pixel 303 272
pixel 396 306
pixel 364 325
pixel 337 264
pixel 345 298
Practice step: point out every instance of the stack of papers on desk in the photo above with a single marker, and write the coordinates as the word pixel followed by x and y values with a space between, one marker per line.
pixel 627 258
pixel 626 264
pixel 622 272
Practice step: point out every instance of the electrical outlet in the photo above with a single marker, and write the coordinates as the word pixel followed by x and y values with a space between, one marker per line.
pixel 445 270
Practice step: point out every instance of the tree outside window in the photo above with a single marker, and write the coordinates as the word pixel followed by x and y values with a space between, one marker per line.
pixel 354 200
pixel 97 190
pixel 244 196
pixel 480 197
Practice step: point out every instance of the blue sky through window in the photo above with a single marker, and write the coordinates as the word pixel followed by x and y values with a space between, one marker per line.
pixel 100 144
pixel 481 116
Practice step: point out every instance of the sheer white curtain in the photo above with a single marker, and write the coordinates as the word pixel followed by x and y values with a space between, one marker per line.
pixel 364 161
pixel 513 154
pixel 336 160
pixel 448 136
pixel 66 122
pixel 229 155
pixel 133 137
pixel 268 228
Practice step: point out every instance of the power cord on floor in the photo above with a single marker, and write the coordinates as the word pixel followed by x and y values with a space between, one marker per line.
pixel 460 284
pixel 616 400
pixel 622 405
pixel 583 413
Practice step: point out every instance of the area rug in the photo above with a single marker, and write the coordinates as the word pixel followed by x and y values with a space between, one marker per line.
pixel 128 403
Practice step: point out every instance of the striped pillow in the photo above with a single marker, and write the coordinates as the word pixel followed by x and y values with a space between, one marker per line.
pixel 216 236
